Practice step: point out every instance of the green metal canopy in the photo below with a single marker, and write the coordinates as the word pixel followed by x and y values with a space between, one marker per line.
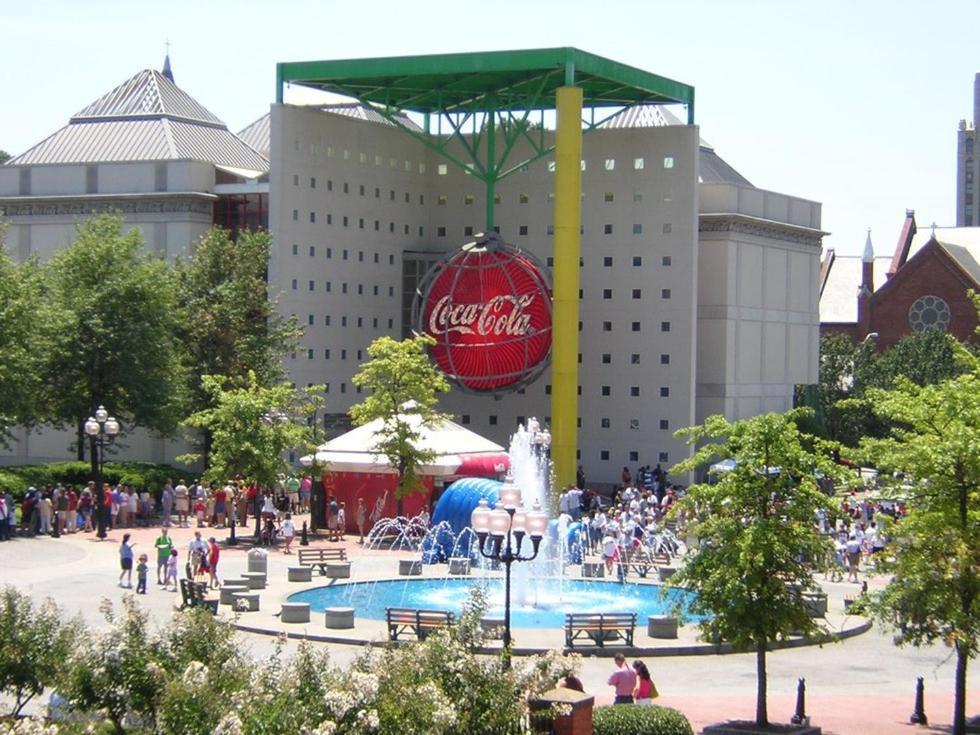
pixel 486 81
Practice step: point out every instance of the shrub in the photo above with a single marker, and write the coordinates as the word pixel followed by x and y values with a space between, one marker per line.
pixel 631 720
pixel 138 474
pixel 34 644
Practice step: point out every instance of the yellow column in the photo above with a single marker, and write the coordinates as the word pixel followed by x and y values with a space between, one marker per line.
pixel 565 336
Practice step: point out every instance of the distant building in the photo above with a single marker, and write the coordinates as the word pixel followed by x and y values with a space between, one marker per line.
pixel 922 285
pixel 968 165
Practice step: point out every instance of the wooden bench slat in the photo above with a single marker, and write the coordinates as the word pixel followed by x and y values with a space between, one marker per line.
pixel 619 625
pixel 419 622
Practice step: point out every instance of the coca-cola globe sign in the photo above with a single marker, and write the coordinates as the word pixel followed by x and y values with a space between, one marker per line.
pixel 488 308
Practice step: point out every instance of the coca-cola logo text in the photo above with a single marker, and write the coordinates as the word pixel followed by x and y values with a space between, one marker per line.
pixel 501 315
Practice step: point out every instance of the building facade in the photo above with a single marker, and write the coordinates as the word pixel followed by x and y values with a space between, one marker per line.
pixel 968 165
pixel 699 291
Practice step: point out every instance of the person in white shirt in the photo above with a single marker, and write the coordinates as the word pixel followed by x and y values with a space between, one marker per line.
pixel 610 548
pixel 288 531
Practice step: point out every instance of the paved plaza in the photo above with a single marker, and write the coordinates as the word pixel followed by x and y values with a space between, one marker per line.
pixel 862 685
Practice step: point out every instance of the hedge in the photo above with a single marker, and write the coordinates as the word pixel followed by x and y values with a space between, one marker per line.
pixel 625 719
pixel 141 475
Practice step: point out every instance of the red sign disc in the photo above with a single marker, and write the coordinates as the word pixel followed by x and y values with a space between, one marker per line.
pixel 488 307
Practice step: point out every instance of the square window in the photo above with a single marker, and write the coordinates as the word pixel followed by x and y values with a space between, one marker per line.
pixel 312 285
pixel 523 198
pixel 295 215
pixel 329 253
pixel 581 293
pixel 407 197
pixel 607 229
pixel 604 455
pixel 361 190
pixel 497 199
pixel 607 326
pixel 664 326
pixel 610 164
pixel 492 420
pixel 665 293
pixel 608 197
pixel 579 392
pixel 637 229
pixel 309 354
pixel 551 229
pixel 295 249
pixel 551 167
pixel 664 359
pixel 312 251
pixel 468 199
pixel 583 164
pixel 634 391
pixel 663 457
pixel 550 262
pixel 635 424
pixel 635 358
pixel 326 354
pixel 374 322
pixel 664 391
pixel 637 293
pixel 360 289
pixel 606 390
pixel 442 169
pixel 607 293
pixel 547 390
pixel 440 232
pixel 343 288
pixel 635 326
pixel 664 425
pixel 522 230
pixel 637 261
pixel 343 354
pixel 668 228
pixel 346 222
pixel 665 261
pixel 343 387
pixel 607 262
pixel 606 357
pixel 343 321
pixel 406 229
pixel 637 196
pixel 634 456
pixel 442 200
pixel 309 319
pixel 326 320
pixel 421 230
pixel 329 184
pixel 346 188
pixel 391 194
pixel 327 286
pixel 374 292
pixel 604 423
pixel 391 227
pixel 467 232
pixel 668 161
pixel 360 223
pixel 343 254
pixel 294 284
pixel 464 419
pixel 295 179
pixel 638 164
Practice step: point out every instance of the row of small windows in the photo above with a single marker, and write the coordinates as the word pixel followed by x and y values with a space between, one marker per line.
pixel 344 254
pixel 361 223
pixel 525 198
pixel 609 164
pixel 606 391
pixel 328 287
pixel 634 326
pixel 607 261
pixel 361 190
pixel 311 319
pixel 348 155
pixel 468 230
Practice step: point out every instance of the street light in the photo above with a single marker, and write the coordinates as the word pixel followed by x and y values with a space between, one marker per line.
pixel 99 427
pixel 507 521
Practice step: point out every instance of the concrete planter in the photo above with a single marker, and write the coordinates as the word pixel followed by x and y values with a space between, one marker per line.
pixel 662 626
pixel 459 565
pixel 338 570
pixel 256 580
pixel 295 612
pixel 225 595
pixel 300 574
pixel 816 604
pixel 594 569
pixel 245 601
pixel 493 627
pixel 338 618
pixel 409 567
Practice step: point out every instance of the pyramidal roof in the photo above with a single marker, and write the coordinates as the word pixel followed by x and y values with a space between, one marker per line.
pixel 146 118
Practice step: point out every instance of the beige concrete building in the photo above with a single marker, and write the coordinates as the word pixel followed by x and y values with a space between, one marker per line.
pixel 699 291
pixel 968 165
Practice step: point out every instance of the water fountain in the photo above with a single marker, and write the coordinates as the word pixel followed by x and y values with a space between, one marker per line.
pixel 542 592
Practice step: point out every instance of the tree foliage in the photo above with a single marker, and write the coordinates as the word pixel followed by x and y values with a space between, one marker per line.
pixel 111 331
pixel 934 592
pixel 404 388
pixel 21 304
pixel 34 644
pixel 253 427
pixel 229 324
pixel 759 542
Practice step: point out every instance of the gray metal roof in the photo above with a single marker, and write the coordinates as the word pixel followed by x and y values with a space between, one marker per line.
pixel 713 168
pixel 146 118
pixel 147 94
pixel 259 134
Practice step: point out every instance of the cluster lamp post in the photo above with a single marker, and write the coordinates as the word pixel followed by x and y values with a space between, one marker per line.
pixel 500 533
pixel 101 429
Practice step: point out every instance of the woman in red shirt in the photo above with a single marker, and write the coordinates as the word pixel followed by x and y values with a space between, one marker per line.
pixel 213 553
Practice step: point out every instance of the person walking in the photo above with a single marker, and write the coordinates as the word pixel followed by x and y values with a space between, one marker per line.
pixel 645 691
pixel 167 502
pixel 361 516
pixel 171 574
pixel 214 553
pixel 141 569
pixel 288 531
pixel 163 546
pixel 126 561
pixel 623 679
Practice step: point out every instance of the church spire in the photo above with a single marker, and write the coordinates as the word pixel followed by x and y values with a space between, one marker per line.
pixel 166 64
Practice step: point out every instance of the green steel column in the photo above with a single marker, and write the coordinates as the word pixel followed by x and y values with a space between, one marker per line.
pixel 565 336
pixel 491 167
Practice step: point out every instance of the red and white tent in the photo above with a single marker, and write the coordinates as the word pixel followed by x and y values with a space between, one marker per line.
pixel 355 469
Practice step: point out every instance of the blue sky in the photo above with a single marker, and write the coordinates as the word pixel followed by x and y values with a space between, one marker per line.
pixel 853 104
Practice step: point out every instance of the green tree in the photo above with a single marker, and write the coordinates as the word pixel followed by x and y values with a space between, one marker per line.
pixel 229 322
pixel 21 304
pixel 34 645
pixel 404 388
pixel 759 542
pixel 4 157
pixel 252 426
pixel 934 591
pixel 111 332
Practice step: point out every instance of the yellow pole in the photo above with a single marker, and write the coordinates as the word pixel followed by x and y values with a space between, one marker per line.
pixel 564 351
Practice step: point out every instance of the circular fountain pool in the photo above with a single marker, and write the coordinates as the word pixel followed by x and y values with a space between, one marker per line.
pixel 542 605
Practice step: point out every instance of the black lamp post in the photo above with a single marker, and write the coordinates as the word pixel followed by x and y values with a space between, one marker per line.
pixel 505 526
pixel 98 428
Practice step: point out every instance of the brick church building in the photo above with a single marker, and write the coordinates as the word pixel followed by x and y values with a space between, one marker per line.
pixel 922 285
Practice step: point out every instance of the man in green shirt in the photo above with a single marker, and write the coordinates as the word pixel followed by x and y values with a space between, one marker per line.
pixel 163 544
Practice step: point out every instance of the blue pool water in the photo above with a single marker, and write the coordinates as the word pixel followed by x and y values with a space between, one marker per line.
pixel 542 604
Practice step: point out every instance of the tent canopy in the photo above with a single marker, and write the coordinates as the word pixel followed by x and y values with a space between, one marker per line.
pixel 455 448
